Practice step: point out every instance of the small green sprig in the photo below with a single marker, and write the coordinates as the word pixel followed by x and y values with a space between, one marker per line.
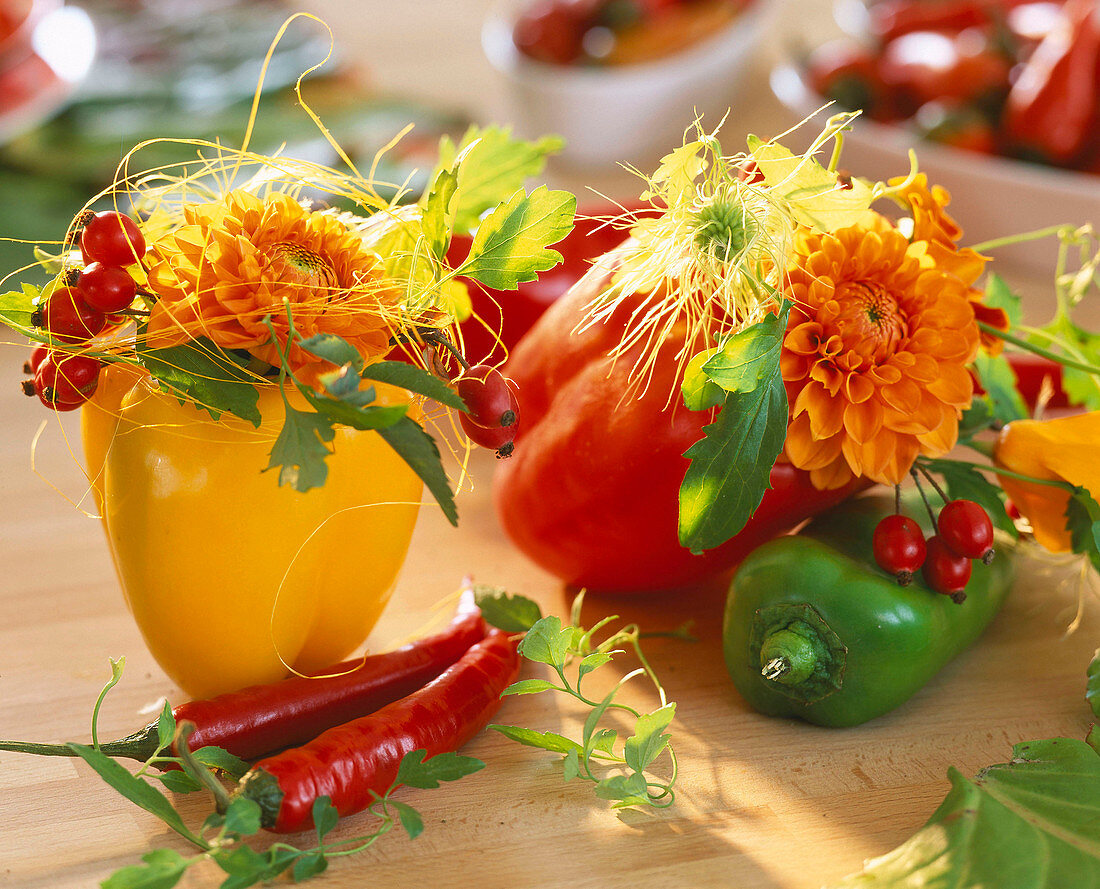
pixel 618 767
pixel 222 837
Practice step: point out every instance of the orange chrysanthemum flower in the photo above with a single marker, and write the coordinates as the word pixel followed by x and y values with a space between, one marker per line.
pixel 939 235
pixel 236 261
pixel 875 356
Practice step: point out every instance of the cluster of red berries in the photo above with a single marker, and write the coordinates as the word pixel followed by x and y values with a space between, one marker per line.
pixel 493 409
pixel 80 310
pixel 964 532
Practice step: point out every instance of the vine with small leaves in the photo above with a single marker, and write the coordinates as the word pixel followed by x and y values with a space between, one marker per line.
pixel 573 648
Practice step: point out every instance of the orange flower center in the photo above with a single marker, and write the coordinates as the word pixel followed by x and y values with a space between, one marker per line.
pixel 297 266
pixel 870 318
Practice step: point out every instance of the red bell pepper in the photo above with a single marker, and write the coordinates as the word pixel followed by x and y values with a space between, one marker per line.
pixel 591 491
pixel 1053 110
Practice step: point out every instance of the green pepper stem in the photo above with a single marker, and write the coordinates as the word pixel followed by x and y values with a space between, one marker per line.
pixel 776 668
pixel 139 746
pixel 788 656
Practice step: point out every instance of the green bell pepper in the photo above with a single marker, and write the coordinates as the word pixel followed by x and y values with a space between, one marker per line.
pixel 814 629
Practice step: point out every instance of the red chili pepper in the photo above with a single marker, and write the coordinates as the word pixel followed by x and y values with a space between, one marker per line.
pixel 352 762
pixel 1053 109
pixel 264 718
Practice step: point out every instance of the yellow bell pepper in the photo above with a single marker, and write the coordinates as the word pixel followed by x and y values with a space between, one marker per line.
pixel 229 576
pixel 1062 449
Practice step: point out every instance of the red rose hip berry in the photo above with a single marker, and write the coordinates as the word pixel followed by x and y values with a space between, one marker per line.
pixel 967 529
pixel 946 571
pixel 106 288
pixel 68 317
pixel 38 354
pixel 64 382
pixel 899 547
pixel 489 397
pixel 111 238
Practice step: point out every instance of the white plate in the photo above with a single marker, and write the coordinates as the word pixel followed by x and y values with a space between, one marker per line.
pixel 991 197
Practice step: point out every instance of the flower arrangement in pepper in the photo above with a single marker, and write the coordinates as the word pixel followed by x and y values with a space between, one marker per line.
pixel 216 292
pixel 810 330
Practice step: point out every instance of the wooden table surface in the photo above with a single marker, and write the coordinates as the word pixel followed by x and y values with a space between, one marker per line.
pixel 761 802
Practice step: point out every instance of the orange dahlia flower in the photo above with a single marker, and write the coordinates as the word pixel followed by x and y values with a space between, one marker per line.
pixel 874 357
pixel 938 235
pixel 243 258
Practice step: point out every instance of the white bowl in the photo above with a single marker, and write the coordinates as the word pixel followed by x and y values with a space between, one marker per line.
pixel 991 197
pixel 629 114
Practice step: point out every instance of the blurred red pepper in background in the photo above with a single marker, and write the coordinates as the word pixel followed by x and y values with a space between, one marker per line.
pixel 1053 110
pixel 889 19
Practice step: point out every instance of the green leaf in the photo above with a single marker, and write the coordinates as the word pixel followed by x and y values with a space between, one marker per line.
pixel 178 782
pixel 511 243
pixel 528 687
pixel 493 165
pixel 1081 387
pixel 162 870
pixel 415 379
pixel 1083 524
pixel 513 614
pixel 222 760
pixel 408 816
pixel 17 306
pixel 309 866
pixel 546 642
pixel 418 449
pixel 137 791
pixel 604 740
pixel 998 295
pixel 542 740
pixel 243 816
pixel 593 719
pixel 203 373
pixel 698 391
pixel 166 725
pixel 967 483
pixel 347 412
pixel 997 378
pixel 333 349
pixel 749 358
pixel 629 790
pixel 591 662
pixel 571 765
pixel 649 738
pixel 731 468
pixel 415 771
pixel 299 452
pixel 976 418
pixel 242 862
pixel 325 816
pixel 1029 824
pixel 1092 689
pixel 436 216
pixel 277 860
